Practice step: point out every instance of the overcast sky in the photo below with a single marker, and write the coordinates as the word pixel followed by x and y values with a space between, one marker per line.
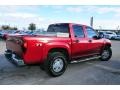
pixel 107 17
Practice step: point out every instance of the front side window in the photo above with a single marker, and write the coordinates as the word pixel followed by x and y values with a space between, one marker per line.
pixel 78 31
pixel 90 32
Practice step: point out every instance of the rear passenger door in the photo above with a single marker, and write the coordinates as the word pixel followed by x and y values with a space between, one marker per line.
pixel 79 42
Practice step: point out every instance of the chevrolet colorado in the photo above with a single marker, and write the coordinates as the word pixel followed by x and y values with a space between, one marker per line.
pixel 63 43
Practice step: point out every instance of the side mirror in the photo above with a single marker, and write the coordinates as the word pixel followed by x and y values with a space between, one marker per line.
pixel 96 37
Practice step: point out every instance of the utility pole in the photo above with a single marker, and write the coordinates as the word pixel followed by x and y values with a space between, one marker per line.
pixel 118 28
pixel 91 21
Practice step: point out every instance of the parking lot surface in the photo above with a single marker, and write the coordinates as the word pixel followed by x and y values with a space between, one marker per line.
pixel 88 73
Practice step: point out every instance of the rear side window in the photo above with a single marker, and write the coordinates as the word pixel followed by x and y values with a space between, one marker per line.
pixel 78 31
pixel 62 28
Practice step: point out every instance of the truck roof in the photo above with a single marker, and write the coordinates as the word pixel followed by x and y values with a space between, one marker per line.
pixel 68 23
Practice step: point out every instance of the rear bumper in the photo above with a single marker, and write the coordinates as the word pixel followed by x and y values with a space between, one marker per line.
pixel 14 58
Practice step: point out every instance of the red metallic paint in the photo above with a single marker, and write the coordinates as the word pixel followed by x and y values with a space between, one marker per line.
pixel 38 47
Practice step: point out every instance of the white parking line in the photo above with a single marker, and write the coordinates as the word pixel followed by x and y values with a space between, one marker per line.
pixel 110 69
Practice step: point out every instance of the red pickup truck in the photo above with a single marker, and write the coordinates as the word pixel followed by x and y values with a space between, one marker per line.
pixel 63 43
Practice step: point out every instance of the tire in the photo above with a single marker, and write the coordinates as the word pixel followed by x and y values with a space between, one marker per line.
pixel 56 64
pixel 106 54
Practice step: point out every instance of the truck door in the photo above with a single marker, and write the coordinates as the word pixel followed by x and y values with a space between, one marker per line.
pixel 94 44
pixel 79 42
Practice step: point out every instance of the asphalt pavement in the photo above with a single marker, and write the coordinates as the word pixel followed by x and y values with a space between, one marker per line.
pixel 92 72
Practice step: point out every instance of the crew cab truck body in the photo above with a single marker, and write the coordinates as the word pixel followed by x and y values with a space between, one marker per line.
pixel 63 43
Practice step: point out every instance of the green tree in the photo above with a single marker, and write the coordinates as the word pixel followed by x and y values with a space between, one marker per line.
pixel 13 28
pixel 32 26
pixel 5 27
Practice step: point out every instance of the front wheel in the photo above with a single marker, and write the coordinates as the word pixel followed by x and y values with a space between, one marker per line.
pixel 56 64
pixel 106 54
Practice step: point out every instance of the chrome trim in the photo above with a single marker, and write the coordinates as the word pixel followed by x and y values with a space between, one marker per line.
pixel 58 65
pixel 18 61
pixel 87 59
pixel 13 58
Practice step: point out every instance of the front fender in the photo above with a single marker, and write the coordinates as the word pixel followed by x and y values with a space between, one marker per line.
pixel 107 43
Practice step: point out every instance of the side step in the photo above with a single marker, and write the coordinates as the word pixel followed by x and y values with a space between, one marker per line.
pixel 87 59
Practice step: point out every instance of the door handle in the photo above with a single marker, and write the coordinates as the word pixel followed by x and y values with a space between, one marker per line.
pixel 90 40
pixel 77 41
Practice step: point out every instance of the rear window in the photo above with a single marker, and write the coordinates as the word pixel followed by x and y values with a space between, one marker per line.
pixel 62 28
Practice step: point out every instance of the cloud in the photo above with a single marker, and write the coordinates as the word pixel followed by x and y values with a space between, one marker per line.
pixel 107 24
pixel 20 19
pixel 19 8
pixel 108 10
pixel 93 9
pixel 21 15
pixel 74 9
pixel 103 9
pixel 117 15
pixel 57 7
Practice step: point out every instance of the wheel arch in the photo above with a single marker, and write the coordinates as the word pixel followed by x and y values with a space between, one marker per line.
pixel 62 50
pixel 107 45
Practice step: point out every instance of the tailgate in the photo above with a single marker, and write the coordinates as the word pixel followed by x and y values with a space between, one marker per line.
pixel 14 44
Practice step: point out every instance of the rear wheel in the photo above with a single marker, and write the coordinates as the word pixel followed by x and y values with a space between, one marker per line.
pixel 106 54
pixel 56 64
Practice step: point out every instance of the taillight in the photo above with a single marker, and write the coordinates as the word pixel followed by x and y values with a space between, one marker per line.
pixel 24 48
pixel 25 45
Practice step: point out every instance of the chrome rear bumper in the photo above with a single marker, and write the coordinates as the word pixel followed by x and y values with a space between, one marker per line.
pixel 14 58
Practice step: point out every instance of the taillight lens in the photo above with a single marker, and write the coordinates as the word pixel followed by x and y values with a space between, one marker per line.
pixel 25 45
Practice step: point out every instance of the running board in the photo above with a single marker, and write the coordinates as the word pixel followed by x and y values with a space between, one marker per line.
pixel 87 59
